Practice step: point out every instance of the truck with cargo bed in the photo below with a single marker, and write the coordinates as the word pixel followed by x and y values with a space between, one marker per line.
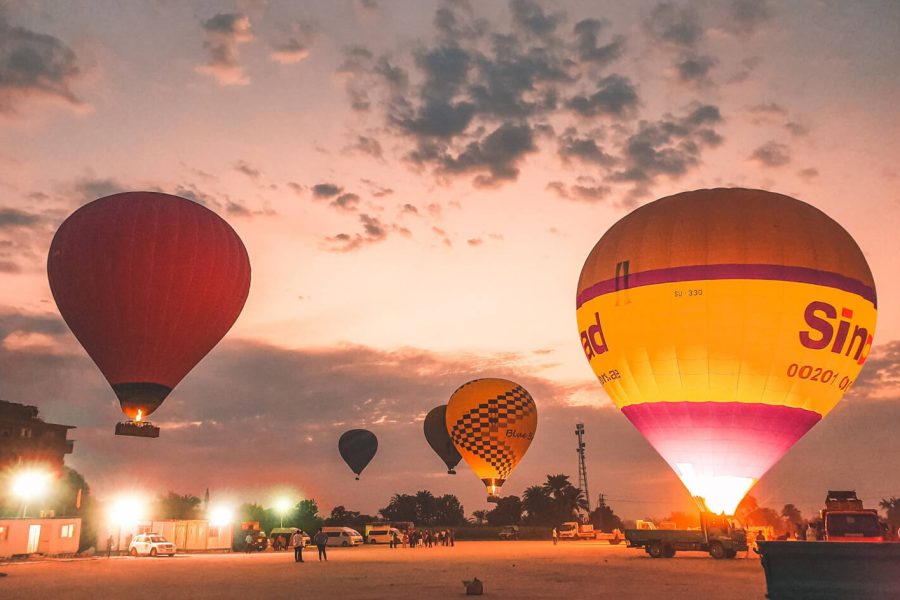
pixel 720 536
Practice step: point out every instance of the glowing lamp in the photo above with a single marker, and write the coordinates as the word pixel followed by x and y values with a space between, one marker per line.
pixel 126 510
pixel 220 516
pixel 31 485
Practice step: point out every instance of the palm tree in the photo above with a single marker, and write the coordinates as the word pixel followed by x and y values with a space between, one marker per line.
pixel 537 503
pixel 480 516
pixel 566 498
pixel 425 507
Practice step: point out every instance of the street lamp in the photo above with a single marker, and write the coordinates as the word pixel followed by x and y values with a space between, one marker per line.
pixel 282 506
pixel 30 485
pixel 126 510
pixel 220 516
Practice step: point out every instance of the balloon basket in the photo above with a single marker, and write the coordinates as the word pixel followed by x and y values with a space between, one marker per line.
pixel 493 498
pixel 137 429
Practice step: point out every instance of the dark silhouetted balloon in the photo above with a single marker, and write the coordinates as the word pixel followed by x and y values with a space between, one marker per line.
pixel 358 448
pixel 439 439
pixel 148 283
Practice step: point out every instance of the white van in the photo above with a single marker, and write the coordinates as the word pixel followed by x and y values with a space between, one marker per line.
pixel 382 535
pixel 342 536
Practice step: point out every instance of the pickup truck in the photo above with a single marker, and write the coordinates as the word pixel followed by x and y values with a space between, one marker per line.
pixel 720 536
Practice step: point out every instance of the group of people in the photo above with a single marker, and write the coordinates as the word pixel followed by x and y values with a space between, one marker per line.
pixel 423 538
pixel 320 540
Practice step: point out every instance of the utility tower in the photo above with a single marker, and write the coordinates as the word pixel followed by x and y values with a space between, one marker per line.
pixel 582 468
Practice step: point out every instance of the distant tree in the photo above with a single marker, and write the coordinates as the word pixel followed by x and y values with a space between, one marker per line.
pixel 749 512
pixel 567 499
pixel 538 505
pixel 402 507
pixel 479 516
pixel 341 517
pixel 72 498
pixel 306 516
pixel 449 511
pixel 603 517
pixel 507 512
pixel 892 507
pixel 793 518
pixel 426 506
pixel 178 506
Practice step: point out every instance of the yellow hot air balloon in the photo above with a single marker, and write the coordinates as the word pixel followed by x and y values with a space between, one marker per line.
pixel 492 422
pixel 725 324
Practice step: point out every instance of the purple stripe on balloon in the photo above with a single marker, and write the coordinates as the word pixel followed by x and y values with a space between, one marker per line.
pixel 725 438
pixel 732 271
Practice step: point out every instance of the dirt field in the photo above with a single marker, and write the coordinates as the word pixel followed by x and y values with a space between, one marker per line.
pixel 514 570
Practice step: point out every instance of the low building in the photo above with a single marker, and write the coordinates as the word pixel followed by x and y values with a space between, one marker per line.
pixel 50 537
pixel 195 535
pixel 27 438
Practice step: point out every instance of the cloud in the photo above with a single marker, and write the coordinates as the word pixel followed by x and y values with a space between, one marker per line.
pixel 13 218
pixel 808 173
pixel 377 190
pixel 88 189
pixel 746 17
pixel 326 190
pixel 225 32
pixel 616 96
pixel 346 201
pixel 668 147
pixel 367 145
pixel 530 17
pixel 771 154
pixel 373 231
pixel 494 158
pixel 296 47
pixel 247 169
pixel 797 129
pixel 696 69
pixel 674 24
pixel 583 149
pixel 35 66
pixel 587 33
pixel 880 376
pixel 589 191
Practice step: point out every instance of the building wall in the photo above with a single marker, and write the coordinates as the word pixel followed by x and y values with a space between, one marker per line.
pixel 14 536
pixel 187 535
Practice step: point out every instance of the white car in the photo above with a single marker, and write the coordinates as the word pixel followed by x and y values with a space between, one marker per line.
pixel 342 536
pixel 383 535
pixel 150 544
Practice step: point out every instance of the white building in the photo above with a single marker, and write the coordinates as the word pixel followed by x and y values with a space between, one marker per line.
pixel 187 535
pixel 50 537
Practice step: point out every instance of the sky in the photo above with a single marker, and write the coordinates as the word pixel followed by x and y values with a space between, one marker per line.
pixel 417 186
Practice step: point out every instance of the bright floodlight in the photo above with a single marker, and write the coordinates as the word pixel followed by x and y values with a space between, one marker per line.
pixel 282 505
pixel 30 485
pixel 220 516
pixel 126 510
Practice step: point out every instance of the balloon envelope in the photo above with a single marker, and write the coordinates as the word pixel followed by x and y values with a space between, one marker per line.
pixel 358 448
pixel 439 439
pixel 725 324
pixel 492 422
pixel 148 283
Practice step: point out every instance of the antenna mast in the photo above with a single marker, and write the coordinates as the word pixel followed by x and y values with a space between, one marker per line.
pixel 582 468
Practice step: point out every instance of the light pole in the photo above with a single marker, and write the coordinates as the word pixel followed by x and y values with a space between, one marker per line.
pixel 282 505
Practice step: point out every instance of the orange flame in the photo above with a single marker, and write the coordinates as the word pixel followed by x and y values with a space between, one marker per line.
pixel 138 417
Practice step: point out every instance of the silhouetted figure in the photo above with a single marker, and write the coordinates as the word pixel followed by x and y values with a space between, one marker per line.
pixel 297 543
pixel 321 541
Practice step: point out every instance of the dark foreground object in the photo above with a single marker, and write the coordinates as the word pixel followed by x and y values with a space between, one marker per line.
pixel 831 570
pixel 142 429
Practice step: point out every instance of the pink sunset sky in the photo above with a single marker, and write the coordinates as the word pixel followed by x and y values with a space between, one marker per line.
pixel 417 185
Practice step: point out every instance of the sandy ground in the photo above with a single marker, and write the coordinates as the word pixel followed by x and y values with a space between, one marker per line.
pixel 515 570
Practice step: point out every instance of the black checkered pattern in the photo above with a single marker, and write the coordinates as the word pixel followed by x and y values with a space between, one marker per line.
pixel 477 430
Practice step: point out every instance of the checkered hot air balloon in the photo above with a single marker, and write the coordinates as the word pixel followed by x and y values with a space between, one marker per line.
pixel 725 324
pixel 492 423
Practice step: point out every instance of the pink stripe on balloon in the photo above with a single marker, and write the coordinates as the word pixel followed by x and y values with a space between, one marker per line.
pixel 723 438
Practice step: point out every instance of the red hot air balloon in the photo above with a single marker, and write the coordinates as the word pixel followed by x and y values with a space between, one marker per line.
pixel 148 283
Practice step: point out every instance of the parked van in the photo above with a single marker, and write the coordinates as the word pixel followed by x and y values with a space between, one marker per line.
pixel 382 535
pixel 342 536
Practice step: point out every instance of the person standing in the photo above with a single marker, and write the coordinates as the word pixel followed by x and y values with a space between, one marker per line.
pixel 450 535
pixel 297 543
pixel 555 535
pixel 248 543
pixel 321 541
